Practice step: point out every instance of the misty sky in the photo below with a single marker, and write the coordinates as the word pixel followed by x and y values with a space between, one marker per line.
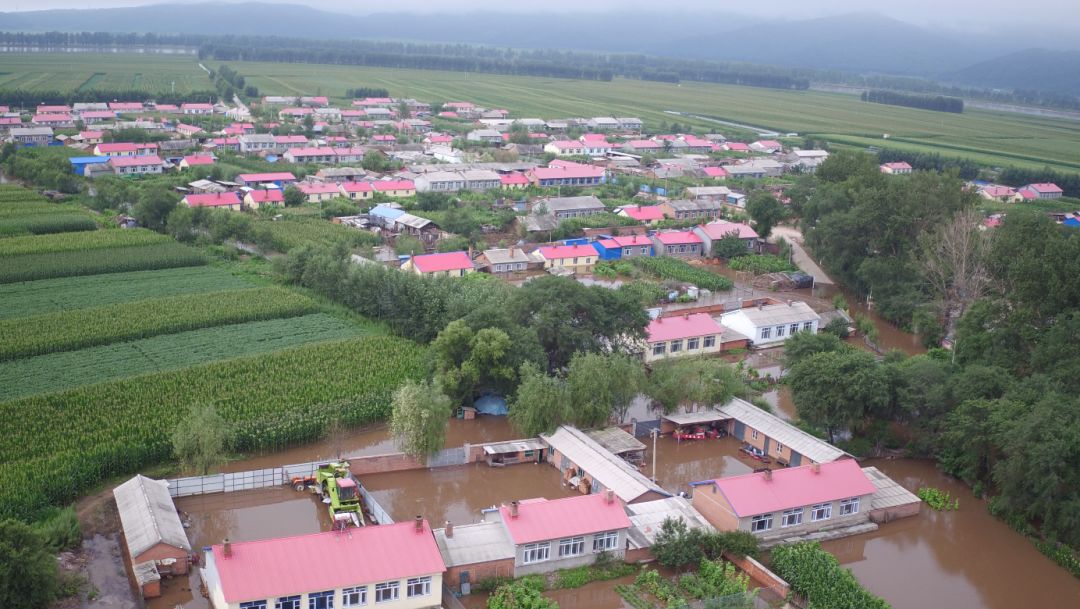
pixel 946 14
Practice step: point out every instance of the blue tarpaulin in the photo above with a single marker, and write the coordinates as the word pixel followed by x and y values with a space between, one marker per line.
pixel 491 404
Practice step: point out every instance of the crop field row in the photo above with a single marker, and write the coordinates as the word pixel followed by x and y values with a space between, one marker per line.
pixel 667 267
pixel 68 293
pixel 293 231
pixel 44 224
pixel 29 267
pixel 69 369
pixel 66 242
pixel 104 71
pixel 57 445
pixel 68 330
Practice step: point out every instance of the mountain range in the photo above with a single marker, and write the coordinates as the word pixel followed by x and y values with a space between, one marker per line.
pixel 860 42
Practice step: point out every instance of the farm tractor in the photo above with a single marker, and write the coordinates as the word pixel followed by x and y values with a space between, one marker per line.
pixel 337 488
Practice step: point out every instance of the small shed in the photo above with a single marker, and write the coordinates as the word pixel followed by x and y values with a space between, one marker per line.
pixel 620 443
pixel 152 529
pixel 148 579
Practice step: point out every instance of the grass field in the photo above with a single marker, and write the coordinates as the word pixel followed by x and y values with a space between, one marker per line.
pixel 993 138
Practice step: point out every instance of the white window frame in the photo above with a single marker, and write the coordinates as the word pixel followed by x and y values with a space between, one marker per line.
pixel 820 512
pixel 766 333
pixel 603 542
pixel 571 546
pixel 693 344
pixel 793 329
pixel 315 597
pixel 754 434
pixel 808 325
pixel 849 507
pixel 676 346
pixel 253 605
pixel 779 331
pixel 536 552
pixel 359 594
pixel 287 602
pixel 418 586
pixel 710 342
pixel 760 523
pixel 779 448
pixel 392 588
pixel 791 518
pixel 659 348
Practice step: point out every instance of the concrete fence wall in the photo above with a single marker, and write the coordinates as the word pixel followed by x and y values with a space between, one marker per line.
pixel 760 574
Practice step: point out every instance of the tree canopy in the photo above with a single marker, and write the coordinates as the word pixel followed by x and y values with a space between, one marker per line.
pixel 418 418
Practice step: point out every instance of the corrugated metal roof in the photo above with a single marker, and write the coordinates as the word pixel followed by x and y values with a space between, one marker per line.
pixel 513 447
pixel 607 469
pixel 647 517
pixel 475 543
pixel 615 440
pixel 782 431
pixel 148 515
pixel 778 314
pixel 889 492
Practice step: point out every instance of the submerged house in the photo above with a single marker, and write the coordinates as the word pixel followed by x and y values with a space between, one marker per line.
pixel 155 538
pixel 590 468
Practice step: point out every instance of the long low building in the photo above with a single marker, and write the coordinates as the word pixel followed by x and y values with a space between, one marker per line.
pixel 587 466
pixel 153 533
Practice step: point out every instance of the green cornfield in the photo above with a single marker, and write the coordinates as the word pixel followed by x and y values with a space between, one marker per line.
pixel 66 264
pixel 44 224
pixel 69 330
pixel 66 370
pixel 69 242
pixel 69 293
pixel 294 230
pixel 667 267
pixel 56 446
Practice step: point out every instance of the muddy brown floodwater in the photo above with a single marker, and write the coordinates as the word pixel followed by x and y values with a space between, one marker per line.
pixel 964 559
pixel 783 405
pixel 377 441
pixel 458 493
pixel 680 463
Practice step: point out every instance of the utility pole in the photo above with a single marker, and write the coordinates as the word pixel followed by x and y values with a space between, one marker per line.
pixel 655 434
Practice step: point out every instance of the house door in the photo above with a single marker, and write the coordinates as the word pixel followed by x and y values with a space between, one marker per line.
pixel 740 430
pixel 765 448
pixel 796 459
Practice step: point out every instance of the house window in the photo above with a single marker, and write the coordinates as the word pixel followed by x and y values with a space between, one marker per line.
pixel 253 605
pixel 692 344
pixel 710 342
pixel 791 518
pixel 794 328
pixel 645 250
pixel 761 523
pixel 676 345
pixel 418 586
pixel 779 331
pixel 821 511
pixel 766 333
pixel 659 349
pixel 808 326
pixel 605 541
pixel 354 597
pixel 572 546
pixel 754 434
pixel 536 552
pixel 287 602
pixel 321 600
pixel 849 506
pixel 779 448
pixel 387 592
pixel 628 251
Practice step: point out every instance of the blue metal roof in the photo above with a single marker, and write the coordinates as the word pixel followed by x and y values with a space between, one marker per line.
pixel 384 211
pixel 87 160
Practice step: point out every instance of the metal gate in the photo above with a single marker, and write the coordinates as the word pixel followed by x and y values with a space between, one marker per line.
pixel 740 430
pixel 448 457
pixel 643 429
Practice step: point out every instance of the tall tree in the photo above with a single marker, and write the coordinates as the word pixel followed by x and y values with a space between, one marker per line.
pixel 704 381
pixel 765 211
pixel 468 362
pixel 200 438
pixel 28 573
pixel 836 390
pixel 955 263
pixel 603 386
pixel 541 403
pixel 418 418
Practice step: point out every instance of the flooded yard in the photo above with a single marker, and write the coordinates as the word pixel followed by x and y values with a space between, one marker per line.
pixel 597 595
pixel 680 463
pixel 459 493
pixel 964 559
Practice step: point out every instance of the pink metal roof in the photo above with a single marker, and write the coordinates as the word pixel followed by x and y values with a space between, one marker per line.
pixel 197 106
pixel 266 177
pixel 384 185
pixel 626 241
pixel 768 143
pixel 51 118
pixel 134 161
pixel 48 109
pixel 357 187
pixel 188 128
pixel 315 189
pixel 290 139
pixel 199 159
pixel 715 172
pixel 737 146
pixel 513 178
pixel 645 144
pixel 326 561
pixel 687 326
pixel 91 135
pixel 126 106
pixel 721 228
pixel 578 171
pixel 555 252
pixel 649 212
pixel 540 520
pixel 105 114
pixel 899 165
pixel 214 199
pixel 677 237
pixel 267 196
pixel 999 191
pixel 10 120
pixel 312 151
pixel 752 494
pixel 384 138
pixel 567 144
pixel 449 261
pixel 1045 188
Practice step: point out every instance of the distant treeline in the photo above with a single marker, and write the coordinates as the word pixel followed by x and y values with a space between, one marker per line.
pixel 229 83
pixel 451 57
pixel 22 98
pixel 938 103
pixel 1018 176
pixel 930 161
pixel 363 92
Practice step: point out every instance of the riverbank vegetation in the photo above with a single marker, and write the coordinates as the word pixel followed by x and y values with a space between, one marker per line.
pixel 817 576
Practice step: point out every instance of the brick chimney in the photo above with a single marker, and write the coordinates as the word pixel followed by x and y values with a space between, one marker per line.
pixel 514 509
pixel 816 468
pixel 226 548
pixel 768 475
pixel 449 530
pixel 419 524
pixel 609 496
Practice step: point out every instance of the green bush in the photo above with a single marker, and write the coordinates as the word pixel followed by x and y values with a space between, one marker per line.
pixel 760 264
pixel 667 267
pixel 60 529
pixel 817 576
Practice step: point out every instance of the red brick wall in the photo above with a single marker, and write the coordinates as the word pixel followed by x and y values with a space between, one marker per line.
pixel 757 572
pixel 714 508
pixel 478 571
pixel 638 555
pixel 162 551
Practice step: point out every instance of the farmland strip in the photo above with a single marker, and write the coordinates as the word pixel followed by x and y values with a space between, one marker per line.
pixel 116 260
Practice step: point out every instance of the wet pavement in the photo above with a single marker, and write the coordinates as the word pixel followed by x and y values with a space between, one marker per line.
pixel 964 559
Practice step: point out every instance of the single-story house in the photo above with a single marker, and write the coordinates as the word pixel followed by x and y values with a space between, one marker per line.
pixel 766 146
pixel 124 149
pixel 395 188
pixel 503 261
pixel 899 168
pixel 257 199
pixel 31 136
pixel 997 193
pixel 590 468
pixel 197 109
pixel 716 194
pixel 569 207
pixel 768 325
pixel 692 334
pixel 357 191
pixel 568 174
pixel 718 229
pixel 279 179
pixel 514 181
pixel 788 502
pixel 396 566
pixel 491 136
pixel 1045 190
pixel 755 168
pixel 196 160
pixel 565 148
pixel 646 214
pixel 576 258
pixel 318 192
pixel 152 530
pixel 216 200
pixel 623 246
pixel 682 209
pixel 807 160
pixel 449 264
pixel 681 243
pixel 136 165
